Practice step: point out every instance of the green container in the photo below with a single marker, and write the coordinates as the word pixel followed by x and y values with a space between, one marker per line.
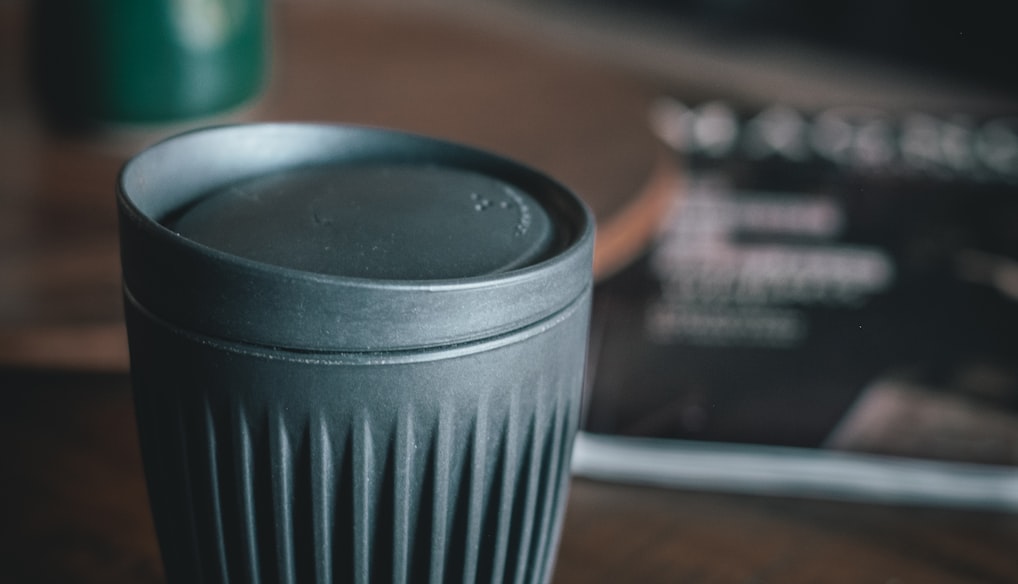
pixel 149 61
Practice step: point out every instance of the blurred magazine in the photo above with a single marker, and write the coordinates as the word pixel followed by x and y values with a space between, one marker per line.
pixel 831 309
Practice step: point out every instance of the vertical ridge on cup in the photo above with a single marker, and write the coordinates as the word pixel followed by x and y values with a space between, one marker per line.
pixel 376 494
pixel 410 449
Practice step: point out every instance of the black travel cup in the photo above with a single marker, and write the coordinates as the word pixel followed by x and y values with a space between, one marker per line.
pixel 356 354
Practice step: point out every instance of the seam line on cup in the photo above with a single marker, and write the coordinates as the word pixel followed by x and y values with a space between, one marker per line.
pixel 312 357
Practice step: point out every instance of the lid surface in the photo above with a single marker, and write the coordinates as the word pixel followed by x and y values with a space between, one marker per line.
pixel 339 238
pixel 391 222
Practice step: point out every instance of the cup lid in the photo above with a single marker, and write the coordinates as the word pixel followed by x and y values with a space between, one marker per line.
pixel 343 238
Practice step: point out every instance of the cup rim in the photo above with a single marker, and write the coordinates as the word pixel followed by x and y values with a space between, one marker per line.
pixel 192 285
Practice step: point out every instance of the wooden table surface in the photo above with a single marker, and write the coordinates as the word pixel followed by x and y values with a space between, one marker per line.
pixel 73 507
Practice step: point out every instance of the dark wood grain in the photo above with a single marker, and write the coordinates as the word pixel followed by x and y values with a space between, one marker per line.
pixel 72 498
pixel 72 493
pixel 625 534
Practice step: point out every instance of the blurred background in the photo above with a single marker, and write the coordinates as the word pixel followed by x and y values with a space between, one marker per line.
pixel 965 42
pixel 871 112
pixel 902 53
pixel 807 239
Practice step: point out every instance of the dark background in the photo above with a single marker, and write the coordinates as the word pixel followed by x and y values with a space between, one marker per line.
pixel 972 41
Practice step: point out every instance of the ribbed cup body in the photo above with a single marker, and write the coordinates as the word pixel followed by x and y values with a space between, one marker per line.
pixel 438 465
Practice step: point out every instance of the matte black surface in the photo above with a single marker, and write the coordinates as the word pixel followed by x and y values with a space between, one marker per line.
pixel 300 426
pixel 440 466
pixel 226 296
pixel 392 222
